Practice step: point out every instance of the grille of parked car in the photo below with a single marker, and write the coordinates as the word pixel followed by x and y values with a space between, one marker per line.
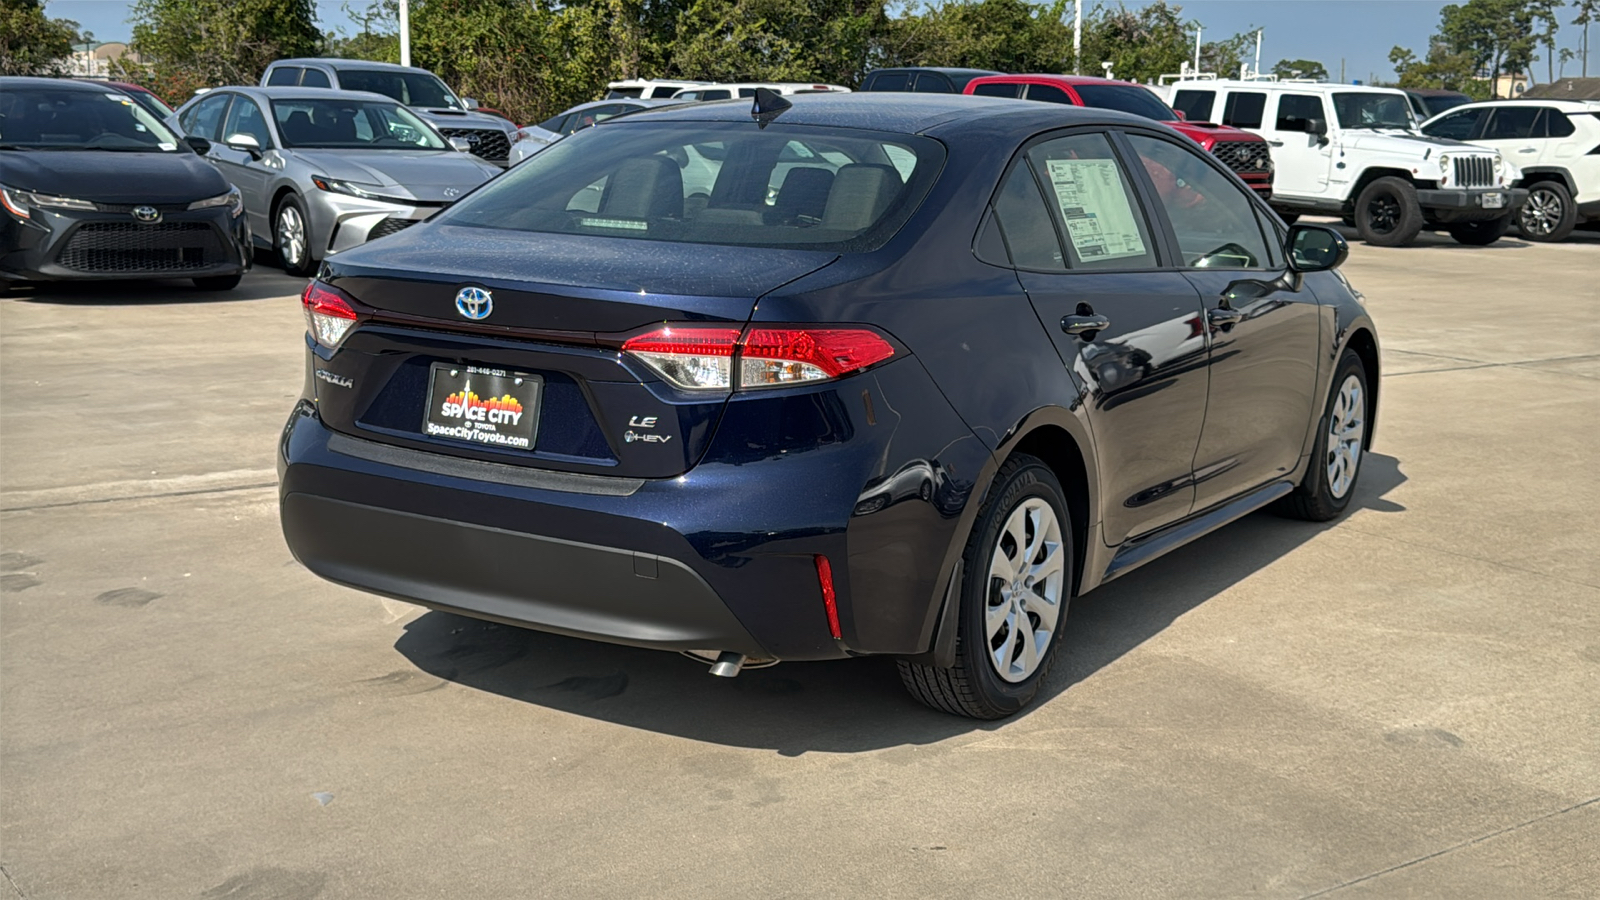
pixel 389 226
pixel 1243 156
pixel 1474 171
pixel 132 247
pixel 486 143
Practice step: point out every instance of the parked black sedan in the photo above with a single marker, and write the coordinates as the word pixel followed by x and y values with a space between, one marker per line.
pixel 828 379
pixel 95 187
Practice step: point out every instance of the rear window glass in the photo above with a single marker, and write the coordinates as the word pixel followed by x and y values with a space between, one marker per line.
pixel 1243 110
pixel 994 89
pixel 1196 105
pixel 1134 100
pixel 844 190
pixel 890 81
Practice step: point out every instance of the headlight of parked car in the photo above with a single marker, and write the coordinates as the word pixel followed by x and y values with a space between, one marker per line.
pixel 233 200
pixel 19 202
pixel 357 189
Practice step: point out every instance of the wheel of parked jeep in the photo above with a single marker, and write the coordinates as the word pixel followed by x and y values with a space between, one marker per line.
pixel 1330 481
pixel 1387 213
pixel 1482 232
pixel 1015 587
pixel 291 235
pixel 1549 214
pixel 218 282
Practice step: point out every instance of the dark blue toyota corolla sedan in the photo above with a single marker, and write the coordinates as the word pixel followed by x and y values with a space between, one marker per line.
pixel 861 375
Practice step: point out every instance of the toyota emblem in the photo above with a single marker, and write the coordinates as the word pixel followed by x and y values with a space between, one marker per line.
pixel 452 192
pixel 474 303
pixel 147 213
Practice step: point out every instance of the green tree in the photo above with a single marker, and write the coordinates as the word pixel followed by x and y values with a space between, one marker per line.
pixel 1544 12
pixel 188 44
pixel 32 43
pixel 1497 34
pixel 1140 44
pixel 378 39
pixel 777 40
pixel 1587 11
pixel 1442 69
pixel 1006 35
pixel 1306 68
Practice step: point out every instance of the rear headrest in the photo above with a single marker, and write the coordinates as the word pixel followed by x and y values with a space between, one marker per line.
pixel 646 187
pixel 859 195
pixel 804 193
pixel 297 129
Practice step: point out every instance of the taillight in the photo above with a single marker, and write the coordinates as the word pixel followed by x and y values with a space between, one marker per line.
pixel 830 602
pixel 700 357
pixel 329 313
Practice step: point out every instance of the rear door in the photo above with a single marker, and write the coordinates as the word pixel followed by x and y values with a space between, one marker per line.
pixel 1083 247
pixel 1264 338
pixel 1517 132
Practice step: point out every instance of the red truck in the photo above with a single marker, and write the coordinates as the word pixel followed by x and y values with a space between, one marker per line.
pixel 1246 154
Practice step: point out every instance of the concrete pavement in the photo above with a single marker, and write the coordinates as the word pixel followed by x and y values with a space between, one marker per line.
pixel 1403 703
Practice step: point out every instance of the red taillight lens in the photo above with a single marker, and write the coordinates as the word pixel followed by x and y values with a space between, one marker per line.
pixel 329 313
pixel 830 603
pixel 703 357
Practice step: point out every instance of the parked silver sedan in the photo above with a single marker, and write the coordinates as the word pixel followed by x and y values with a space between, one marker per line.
pixel 323 170
pixel 530 139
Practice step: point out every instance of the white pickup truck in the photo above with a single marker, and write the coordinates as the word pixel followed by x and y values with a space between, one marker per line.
pixel 1355 152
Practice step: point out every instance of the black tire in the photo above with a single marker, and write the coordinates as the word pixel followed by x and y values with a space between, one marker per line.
pixel 1288 218
pixel 218 282
pixel 1387 213
pixel 1315 500
pixel 295 263
pixel 1549 214
pixel 1482 232
pixel 973 686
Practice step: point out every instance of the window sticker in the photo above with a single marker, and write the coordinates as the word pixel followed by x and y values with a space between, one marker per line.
pixel 1100 218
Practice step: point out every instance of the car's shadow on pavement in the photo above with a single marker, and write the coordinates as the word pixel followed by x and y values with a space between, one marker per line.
pixel 258 284
pixel 848 705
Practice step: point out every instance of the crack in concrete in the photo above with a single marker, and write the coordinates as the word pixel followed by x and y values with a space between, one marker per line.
pixel 1451 849
pixel 1529 364
pixel 137 489
pixel 11 882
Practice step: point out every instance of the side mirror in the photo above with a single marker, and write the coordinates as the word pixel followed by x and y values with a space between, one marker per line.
pixel 1318 127
pixel 460 143
pixel 199 145
pixel 1182 116
pixel 244 142
pixel 469 103
pixel 1315 248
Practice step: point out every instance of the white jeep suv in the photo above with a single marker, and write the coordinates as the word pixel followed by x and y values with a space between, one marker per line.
pixel 1355 152
pixel 1556 144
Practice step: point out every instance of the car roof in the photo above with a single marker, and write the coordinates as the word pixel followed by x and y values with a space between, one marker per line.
pixel 300 93
pixel 22 81
pixel 630 101
pixel 1434 92
pixel 947 70
pixel 952 114
pixel 334 62
pixel 1563 105
pixel 1322 86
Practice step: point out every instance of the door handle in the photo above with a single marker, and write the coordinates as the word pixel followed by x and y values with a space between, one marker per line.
pixel 1083 324
pixel 1276 143
pixel 1224 317
pixel 1529 150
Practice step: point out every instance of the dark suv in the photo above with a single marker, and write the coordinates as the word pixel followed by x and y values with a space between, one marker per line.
pixel 824 380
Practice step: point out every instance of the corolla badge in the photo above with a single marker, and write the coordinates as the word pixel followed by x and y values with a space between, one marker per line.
pixel 146 213
pixel 474 303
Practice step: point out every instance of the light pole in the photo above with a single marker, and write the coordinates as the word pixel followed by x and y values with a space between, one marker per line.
pixel 405 33
pixel 1077 37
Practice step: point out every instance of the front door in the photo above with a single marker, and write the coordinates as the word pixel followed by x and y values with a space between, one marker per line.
pixel 1302 159
pixel 250 172
pixel 1264 335
pixel 1084 252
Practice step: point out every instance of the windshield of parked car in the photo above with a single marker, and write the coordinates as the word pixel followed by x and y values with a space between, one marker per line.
pixel 411 88
pixel 155 105
pixel 352 125
pixel 63 119
pixel 1373 110
pixel 1125 98
pixel 715 183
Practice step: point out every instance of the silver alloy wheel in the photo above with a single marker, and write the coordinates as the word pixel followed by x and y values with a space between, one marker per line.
pixel 1347 425
pixel 1542 213
pixel 291 235
pixel 1026 575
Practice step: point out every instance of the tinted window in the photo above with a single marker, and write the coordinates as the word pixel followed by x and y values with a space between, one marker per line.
pixel 352 125
pixel 284 76
pixel 245 118
pixel 48 117
pixel 1373 110
pixel 1557 125
pixel 716 95
pixel 1213 219
pixel 1438 105
pixel 151 102
pixel 1458 126
pixel 1195 104
pixel 933 83
pixel 314 78
pixel 1512 122
pixel 1126 99
pixel 655 92
pixel 204 119
pixel 1025 222
pixel 889 81
pixel 715 183
pixel 594 115
pixel 1243 110
pixel 1295 111
pixel 410 88
pixel 1049 94
pixel 994 90
pixel 1092 203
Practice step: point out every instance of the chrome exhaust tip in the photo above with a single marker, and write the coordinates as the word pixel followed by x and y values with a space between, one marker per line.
pixel 728 664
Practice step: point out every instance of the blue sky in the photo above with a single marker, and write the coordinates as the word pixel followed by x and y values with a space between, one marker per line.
pixel 1358 31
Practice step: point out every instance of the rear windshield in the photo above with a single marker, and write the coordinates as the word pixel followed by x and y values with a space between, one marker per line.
pixel 1126 99
pixel 410 88
pixel 65 119
pixel 715 183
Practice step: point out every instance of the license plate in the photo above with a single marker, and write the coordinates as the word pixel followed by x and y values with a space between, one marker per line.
pixel 1494 200
pixel 482 405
